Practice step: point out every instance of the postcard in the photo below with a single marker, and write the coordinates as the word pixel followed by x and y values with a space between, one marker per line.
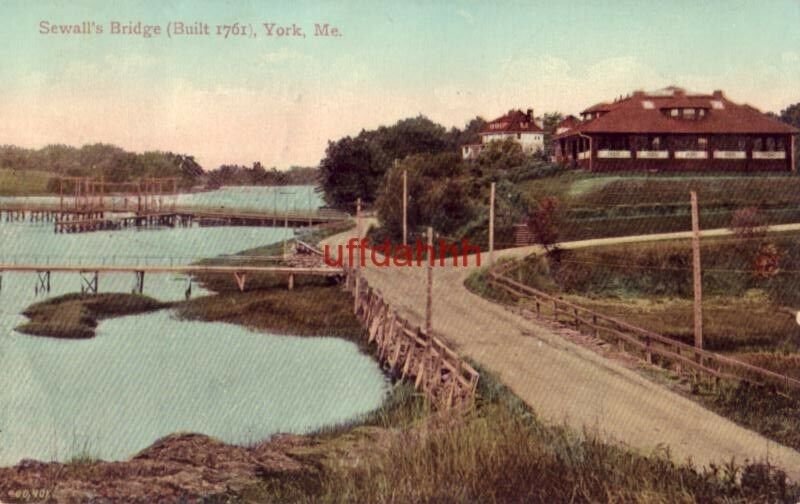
pixel 399 252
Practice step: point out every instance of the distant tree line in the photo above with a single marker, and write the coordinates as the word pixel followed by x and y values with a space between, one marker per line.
pixel 112 163
pixel 258 175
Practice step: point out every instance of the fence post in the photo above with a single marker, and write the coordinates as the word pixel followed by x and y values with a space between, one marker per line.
pixel 596 328
pixel 555 310
pixel 648 354
pixel 577 320
pixel 538 310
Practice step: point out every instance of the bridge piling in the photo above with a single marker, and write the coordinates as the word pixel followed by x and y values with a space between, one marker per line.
pixel 90 283
pixel 43 283
pixel 139 285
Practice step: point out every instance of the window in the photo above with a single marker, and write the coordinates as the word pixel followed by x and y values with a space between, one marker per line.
pixel 702 112
pixel 758 144
pixel 648 104
pixel 656 143
pixel 674 112
pixel 702 142
pixel 770 144
pixel 717 104
pixel 688 113
pixel 519 135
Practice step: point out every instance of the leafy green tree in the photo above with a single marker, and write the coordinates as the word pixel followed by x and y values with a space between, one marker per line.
pixel 355 167
pixel 549 123
pixel 791 115
pixel 437 190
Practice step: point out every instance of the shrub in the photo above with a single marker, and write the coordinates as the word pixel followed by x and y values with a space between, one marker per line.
pixel 748 223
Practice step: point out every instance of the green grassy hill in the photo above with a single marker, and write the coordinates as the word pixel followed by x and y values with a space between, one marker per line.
pixel 601 205
pixel 23 183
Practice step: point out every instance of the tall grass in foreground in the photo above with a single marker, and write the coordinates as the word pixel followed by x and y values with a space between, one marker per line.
pixel 500 452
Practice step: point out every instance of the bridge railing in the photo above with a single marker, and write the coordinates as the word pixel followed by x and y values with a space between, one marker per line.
pixel 45 260
pixel 407 352
pixel 653 347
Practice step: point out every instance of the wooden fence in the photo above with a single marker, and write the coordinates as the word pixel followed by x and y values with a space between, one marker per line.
pixel 408 353
pixel 654 348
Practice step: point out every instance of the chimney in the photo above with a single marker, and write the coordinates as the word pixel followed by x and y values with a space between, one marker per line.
pixel 529 114
pixel 717 93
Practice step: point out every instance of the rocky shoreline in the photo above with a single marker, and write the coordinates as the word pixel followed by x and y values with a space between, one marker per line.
pixel 176 467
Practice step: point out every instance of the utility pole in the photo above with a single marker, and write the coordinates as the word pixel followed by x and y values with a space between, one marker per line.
pixel 358 258
pixel 491 226
pixel 698 284
pixel 429 300
pixel 405 207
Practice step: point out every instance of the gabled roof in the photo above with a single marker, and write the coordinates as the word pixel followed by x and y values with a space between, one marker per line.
pixel 568 122
pixel 645 113
pixel 515 121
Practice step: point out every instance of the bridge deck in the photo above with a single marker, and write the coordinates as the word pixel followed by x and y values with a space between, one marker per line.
pixel 194 211
pixel 194 268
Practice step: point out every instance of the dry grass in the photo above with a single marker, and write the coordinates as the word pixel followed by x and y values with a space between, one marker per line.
pixel 500 452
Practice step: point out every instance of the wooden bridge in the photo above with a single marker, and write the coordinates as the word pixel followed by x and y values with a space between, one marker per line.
pixel 306 260
pixel 93 204
pixel 72 220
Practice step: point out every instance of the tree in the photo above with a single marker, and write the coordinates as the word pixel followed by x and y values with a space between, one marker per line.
pixel 791 115
pixel 354 167
pixel 350 170
pixel 549 124
pixel 545 221
pixel 437 189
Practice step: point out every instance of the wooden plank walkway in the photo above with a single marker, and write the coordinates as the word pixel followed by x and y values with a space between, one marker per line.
pixel 191 268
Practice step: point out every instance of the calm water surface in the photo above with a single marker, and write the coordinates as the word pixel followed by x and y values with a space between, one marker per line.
pixel 145 376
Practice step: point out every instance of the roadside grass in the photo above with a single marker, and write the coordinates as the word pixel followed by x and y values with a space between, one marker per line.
pixel 500 452
pixel 23 182
pixel 649 285
pixel 75 316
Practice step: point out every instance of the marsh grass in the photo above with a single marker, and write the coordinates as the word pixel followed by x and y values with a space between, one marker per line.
pixel 308 310
pixel 23 182
pixel 75 316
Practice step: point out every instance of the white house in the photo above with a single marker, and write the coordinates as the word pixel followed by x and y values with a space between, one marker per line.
pixel 517 125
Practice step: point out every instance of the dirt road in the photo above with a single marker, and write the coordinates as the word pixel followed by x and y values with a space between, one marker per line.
pixel 566 383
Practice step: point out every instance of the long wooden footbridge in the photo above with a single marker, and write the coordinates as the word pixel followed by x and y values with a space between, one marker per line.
pixel 305 260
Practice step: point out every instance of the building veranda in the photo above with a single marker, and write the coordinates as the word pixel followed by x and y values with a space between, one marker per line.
pixel 673 130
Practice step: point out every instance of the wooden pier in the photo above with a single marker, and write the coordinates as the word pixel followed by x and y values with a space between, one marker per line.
pixel 70 220
pixel 102 223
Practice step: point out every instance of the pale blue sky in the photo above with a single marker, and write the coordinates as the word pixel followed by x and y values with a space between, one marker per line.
pixel 280 100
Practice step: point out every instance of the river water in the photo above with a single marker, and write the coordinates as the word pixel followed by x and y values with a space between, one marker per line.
pixel 145 376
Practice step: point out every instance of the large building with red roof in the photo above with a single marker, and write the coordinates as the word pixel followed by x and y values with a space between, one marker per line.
pixel 670 130
pixel 517 125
